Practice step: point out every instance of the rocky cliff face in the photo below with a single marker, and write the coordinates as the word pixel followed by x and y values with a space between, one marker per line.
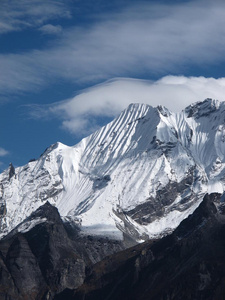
pixel 44 260
pixel 41 257
pixel 188 264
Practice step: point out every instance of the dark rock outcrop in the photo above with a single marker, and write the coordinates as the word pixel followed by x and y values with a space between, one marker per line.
pixel 188 264
pixel 154 208
pixel 11 171
pixel 42 257
pixel 46 259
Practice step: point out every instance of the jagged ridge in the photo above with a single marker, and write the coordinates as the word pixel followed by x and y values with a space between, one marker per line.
pixel 138 176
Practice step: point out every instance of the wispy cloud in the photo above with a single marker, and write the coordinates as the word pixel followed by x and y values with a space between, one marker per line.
pixel 17 15
pixel 144 39
pixel 79 115
pixel 50 29
pixel 3 152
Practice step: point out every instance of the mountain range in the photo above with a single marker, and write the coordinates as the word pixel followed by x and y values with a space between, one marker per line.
pixel 136 178
pixel 76 213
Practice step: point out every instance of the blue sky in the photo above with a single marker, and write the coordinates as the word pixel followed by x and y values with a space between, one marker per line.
pixel 69 67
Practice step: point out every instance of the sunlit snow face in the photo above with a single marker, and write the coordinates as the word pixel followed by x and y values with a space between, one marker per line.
pixel 146 155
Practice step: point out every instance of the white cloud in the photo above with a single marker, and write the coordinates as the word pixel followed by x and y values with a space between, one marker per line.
pixel 17 15
pixel 144 39
pixel 80 126
pixel 3 152
pixel 51 29
pixel 80 114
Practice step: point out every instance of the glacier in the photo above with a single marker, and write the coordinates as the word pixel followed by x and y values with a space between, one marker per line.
pixel 138 176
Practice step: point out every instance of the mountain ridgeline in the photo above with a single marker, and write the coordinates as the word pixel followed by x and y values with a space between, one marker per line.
pixel 136 178
pixel 100 220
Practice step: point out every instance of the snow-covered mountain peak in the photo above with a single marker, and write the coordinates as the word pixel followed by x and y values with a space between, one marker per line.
pixel 204 108
pixel 164 111
pixel 139 175
pixel 57 146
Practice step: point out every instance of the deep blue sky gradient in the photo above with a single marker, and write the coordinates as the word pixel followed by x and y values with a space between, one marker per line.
pixel 25 137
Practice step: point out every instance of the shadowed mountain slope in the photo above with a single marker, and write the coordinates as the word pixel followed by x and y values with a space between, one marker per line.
pixel 188 264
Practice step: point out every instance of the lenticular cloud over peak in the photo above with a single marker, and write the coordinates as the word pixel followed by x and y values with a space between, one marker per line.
pixel 81 112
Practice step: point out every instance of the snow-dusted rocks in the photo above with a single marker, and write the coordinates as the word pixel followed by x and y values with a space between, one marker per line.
pixel 138 176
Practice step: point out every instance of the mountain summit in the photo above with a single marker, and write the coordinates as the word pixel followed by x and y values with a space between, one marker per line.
pixel 137 177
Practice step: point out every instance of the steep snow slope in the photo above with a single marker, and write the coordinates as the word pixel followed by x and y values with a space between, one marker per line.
pixel 140 175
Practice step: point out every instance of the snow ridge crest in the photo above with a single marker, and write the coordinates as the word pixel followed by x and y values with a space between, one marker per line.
pixel 139 175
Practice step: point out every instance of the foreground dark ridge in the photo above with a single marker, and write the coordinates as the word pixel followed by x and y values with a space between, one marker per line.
pixel 45 259
pixel 43 256
pixel 188 264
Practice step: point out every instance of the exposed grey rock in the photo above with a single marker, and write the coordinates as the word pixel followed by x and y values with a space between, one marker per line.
pixel 11 171
pixel 155 207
